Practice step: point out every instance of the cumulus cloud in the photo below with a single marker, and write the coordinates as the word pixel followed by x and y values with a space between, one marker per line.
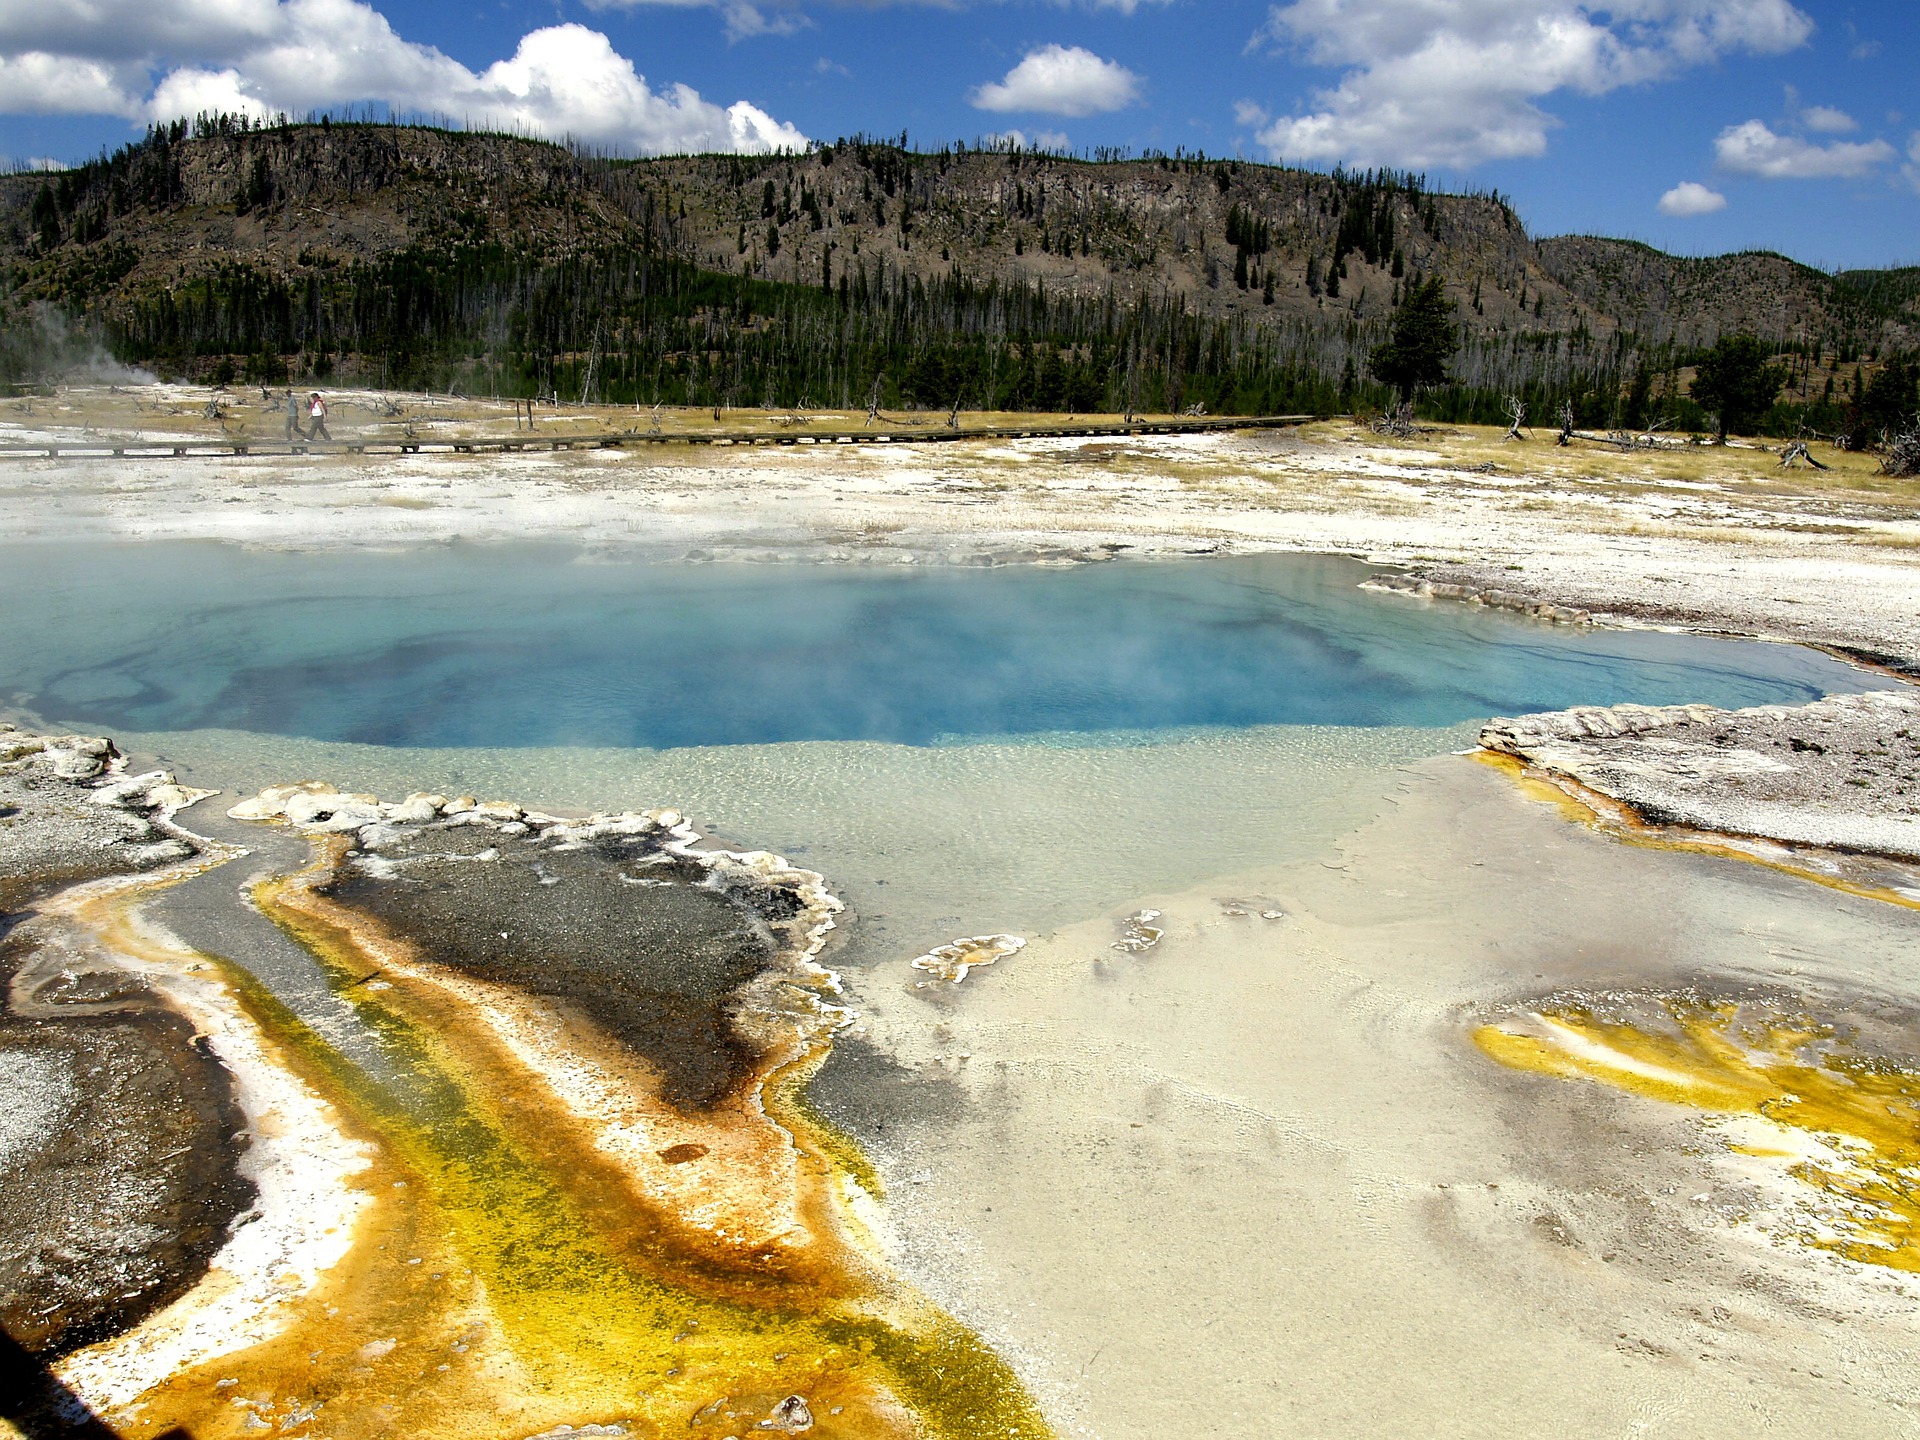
pixel 191 91
pixel 1820 119
pixel 1061 80
pixel 1753 148
pixel 135 30
pixel 1825 120
pixel 35 82
pixel 1457 82
pixel 1690 198
pixel 1021 140
pixel 265 57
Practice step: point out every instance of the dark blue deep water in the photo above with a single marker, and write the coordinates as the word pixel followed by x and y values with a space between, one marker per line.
pixel 540 645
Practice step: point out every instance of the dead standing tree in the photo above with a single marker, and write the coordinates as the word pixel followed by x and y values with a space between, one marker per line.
pixel 1517 417
pixel 873 399
pixel 1566 423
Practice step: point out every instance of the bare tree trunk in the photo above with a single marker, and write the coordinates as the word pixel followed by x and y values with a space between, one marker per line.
pixel 1517 416
pixel 1798 451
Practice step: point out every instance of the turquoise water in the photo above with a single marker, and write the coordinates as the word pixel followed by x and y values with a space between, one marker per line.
pixel 542 646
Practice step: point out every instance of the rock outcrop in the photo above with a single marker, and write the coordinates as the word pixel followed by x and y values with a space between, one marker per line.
pixel 69 811
pixel 121 1142
pixel 1841 773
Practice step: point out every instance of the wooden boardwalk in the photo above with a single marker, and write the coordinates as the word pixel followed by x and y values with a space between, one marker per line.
pixel 533 441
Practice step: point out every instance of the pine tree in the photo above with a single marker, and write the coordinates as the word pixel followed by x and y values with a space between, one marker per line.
pixel 1734 380
pixel 1421 343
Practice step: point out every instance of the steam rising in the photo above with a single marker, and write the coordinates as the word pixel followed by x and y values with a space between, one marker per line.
pixel 41 345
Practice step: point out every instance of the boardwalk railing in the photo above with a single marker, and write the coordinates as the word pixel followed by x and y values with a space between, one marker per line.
pixel 211 448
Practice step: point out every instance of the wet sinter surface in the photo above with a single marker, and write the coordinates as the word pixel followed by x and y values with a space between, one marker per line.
pixel 1188 1177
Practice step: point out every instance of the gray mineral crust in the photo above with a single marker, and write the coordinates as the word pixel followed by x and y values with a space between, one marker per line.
pixel 1841 773
pixel 68 812
pixel 682 954
pixel 120 1148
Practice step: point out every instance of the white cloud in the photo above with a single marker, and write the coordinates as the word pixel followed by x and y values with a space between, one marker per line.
pixel 744 18
pixel 1911 170
pixel 1754 149
pixel 1058 80
pixel 748 18
pixel 135 30
pixel 189 92
pixel 1697 31
pixel 37 83
pixel 264 57
pixel 567 79
pixel 1021 140
pixel 1246 112
pixel 1690 198
pixel 1456 82
pixel 1825 120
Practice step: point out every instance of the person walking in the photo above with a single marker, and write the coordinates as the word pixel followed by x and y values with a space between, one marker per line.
pixel 317 418
pixel 293 417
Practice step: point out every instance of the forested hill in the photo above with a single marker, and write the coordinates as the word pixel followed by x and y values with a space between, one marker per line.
pixel 412 256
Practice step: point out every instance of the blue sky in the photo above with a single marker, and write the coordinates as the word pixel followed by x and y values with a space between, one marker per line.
pixel 1696 125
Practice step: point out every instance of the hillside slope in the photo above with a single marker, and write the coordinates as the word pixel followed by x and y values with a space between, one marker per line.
pixel 280 239
pixel 1663 296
